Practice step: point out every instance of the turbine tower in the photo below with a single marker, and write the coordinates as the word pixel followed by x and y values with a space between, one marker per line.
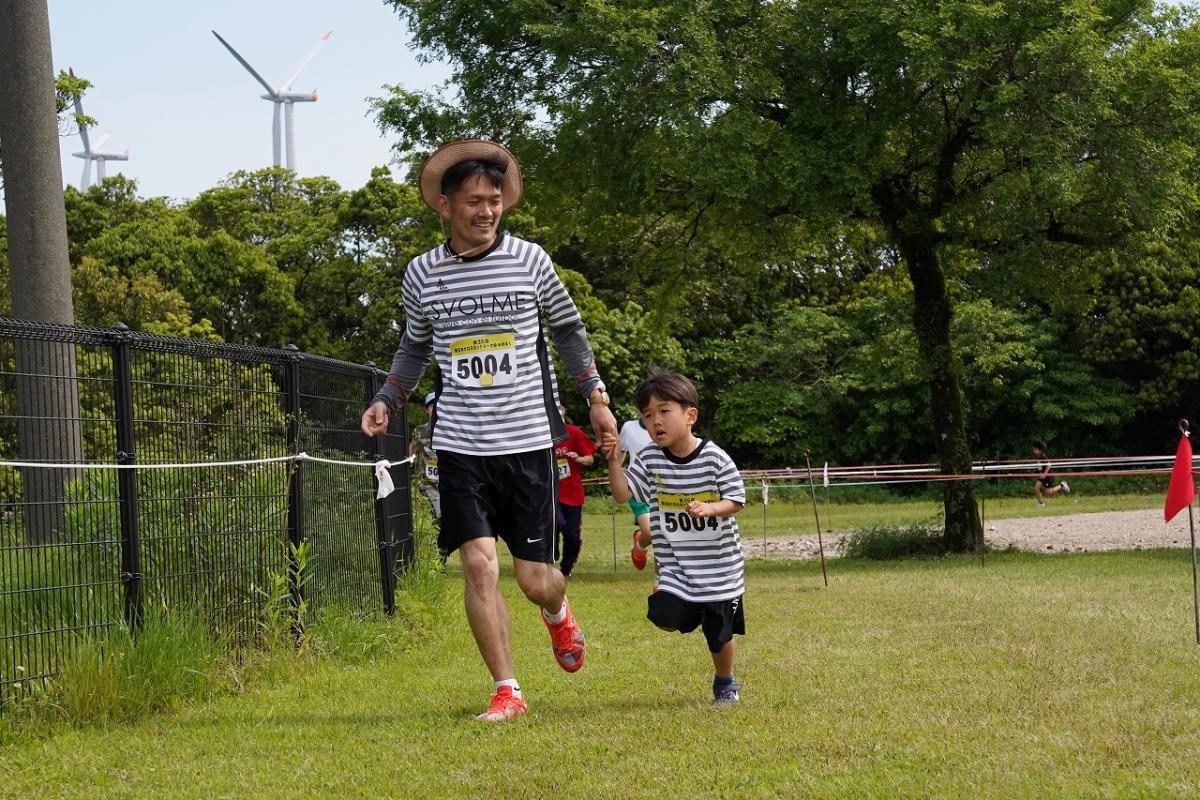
pixel 92 152
pixel 282 96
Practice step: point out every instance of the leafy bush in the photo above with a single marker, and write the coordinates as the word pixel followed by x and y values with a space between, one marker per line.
pixel 888 542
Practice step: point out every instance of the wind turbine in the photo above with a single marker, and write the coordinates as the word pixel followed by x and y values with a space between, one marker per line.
pixel 92 152
pixel 282 96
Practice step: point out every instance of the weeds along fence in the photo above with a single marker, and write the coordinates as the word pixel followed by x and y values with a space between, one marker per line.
pixel 186 475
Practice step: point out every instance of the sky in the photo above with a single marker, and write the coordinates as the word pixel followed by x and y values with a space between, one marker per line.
pixel 190 114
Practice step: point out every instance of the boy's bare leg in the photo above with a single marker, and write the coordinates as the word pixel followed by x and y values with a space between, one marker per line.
pixel 723 660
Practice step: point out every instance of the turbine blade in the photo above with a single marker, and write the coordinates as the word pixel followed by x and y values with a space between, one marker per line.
pixel 245 63
pixel 87 148
pixel 85 180
pixel 304 63
pixel 102 140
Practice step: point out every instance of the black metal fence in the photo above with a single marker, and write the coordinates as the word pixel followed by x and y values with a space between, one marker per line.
pixel 86 546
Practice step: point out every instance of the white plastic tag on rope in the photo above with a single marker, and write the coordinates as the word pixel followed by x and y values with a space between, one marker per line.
pixel 384 479
pixel 825 476
pixel 766 493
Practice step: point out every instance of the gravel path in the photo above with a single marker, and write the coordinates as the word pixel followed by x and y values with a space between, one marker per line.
pixel 1108 530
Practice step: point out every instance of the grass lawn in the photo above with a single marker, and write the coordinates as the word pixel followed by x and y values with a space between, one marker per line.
pixel 1037 676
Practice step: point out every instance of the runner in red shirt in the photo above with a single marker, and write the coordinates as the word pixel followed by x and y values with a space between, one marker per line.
pixel 570 457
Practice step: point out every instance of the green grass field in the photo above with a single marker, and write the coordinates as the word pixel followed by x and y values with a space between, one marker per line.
pixel 1037 676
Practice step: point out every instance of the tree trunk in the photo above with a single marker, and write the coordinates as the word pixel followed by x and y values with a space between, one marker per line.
pixel 47 394
pixel 931 321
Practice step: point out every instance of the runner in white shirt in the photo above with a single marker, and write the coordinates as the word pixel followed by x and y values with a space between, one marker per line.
pixel 633 438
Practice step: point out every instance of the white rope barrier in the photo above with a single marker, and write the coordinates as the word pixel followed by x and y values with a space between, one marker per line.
pixel 301 456
pixel 383 478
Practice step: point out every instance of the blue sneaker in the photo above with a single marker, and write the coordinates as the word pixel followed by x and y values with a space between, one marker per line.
pixel 726 694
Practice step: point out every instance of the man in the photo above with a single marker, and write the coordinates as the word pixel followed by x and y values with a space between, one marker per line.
pixel 573 454
pixel 1043 484
pixel 421 448
pixel 476 303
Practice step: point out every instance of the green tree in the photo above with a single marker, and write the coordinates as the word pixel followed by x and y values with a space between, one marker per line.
pixel 973 135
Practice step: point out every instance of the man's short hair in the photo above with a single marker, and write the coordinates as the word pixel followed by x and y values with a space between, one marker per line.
pixel 460 173
pixel 666 386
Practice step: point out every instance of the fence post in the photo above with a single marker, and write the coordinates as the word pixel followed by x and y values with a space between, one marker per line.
pixel 131 559
pixel 387 555
pixel 295 515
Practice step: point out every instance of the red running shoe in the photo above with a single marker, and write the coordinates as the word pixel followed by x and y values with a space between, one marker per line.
pixel 637 554
pixel 505 705
pixel 566 638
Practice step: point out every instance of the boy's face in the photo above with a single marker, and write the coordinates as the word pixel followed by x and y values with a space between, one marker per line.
pixel 668 423
pixel 473 212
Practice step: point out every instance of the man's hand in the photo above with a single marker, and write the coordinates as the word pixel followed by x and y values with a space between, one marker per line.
pixel 698 509
pixel 603 421
pixel 375 419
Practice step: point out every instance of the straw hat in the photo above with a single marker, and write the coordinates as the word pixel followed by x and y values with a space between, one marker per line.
pixel 453 153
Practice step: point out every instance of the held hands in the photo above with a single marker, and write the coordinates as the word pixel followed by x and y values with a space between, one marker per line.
pixel 603 422
pixel 611 446
pixel 375 419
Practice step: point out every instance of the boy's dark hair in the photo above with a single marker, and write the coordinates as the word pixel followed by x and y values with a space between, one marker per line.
pixel 1039 444
pixel 460 173
pixel 666 386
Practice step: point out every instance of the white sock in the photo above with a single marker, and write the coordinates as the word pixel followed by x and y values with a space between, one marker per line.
pixel 512 683
pixel 554 619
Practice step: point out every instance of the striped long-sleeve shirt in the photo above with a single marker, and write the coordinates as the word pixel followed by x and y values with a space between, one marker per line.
pixel 699 560
pixel 481 318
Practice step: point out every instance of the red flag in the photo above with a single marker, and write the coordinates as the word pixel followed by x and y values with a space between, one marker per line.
pixel 1182 489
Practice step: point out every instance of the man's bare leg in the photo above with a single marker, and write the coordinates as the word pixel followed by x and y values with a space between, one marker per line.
pixel 486 610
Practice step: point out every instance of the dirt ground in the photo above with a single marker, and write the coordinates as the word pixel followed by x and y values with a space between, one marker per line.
pixel 1109 530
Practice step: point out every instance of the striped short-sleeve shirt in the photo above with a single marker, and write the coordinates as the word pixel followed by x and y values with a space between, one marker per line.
pixel 699 560
pixel 483 314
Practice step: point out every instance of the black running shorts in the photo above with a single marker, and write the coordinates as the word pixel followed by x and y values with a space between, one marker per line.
pixel 510 497
pixel 719 619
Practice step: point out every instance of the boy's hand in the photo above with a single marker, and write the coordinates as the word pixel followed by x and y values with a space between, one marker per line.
pixel 698 509
pixel 610 444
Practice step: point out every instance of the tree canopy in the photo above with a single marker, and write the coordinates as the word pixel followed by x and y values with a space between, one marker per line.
pixel 985 142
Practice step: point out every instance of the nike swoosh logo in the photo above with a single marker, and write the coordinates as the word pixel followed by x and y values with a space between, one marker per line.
pixel 531 541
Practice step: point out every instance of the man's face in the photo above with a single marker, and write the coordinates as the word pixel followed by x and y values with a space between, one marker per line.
pixel 473 212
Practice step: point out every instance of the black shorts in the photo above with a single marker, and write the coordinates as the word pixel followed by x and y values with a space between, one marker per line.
pixel 511 497
pixel 1047 482
pixel 719 619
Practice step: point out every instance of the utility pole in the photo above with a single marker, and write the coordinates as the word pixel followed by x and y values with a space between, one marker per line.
pixel 47 394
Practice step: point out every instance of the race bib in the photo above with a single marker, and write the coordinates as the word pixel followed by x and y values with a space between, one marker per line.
pixel 478 362
pixel 678 525
pixel 431 468
pixel 564 468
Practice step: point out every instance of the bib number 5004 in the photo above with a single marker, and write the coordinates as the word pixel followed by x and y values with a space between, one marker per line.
pixel 483 361
pixel 476 367
pixel 675 522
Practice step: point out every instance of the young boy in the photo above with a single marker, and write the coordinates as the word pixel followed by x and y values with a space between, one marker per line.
pixel 1044 485
pixel 693 490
